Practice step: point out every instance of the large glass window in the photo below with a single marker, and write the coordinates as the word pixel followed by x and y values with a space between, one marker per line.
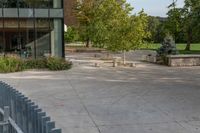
pixel 31 28
pixel 26 3
pixel 41 3
pixel 1 36
pixel 23 3
pixel 27 35
pixel 10 3
pixel 1 12
pixel 42 37
pixel 1 3
pixel 12 40
pixel 56 3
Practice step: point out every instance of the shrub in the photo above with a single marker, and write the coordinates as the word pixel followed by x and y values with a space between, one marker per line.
pixel 10 64
pixel 168 47
pixel 71 35
pixel 14 64
pixel 35 63
pixel 58 64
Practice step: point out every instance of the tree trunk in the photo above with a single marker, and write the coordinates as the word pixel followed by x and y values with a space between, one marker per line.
pixel 124 57
pixel 87 42
pixel 189 40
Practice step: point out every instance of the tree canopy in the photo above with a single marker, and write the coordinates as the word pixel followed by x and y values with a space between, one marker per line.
pixel 184 20
pixel 109 24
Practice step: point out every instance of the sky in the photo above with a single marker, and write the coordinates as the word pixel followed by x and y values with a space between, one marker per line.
pixel 153 7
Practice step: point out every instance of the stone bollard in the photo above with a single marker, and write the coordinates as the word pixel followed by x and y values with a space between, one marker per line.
pixel 114 62
pixel 132 64
pixel 97 64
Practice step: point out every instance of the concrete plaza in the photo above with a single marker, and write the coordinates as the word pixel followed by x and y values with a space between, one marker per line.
pixel 145 99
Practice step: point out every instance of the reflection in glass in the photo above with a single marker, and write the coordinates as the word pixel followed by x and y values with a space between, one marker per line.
pixel 27 33
pixel 1 36
pixel 10 3
pixel 31 3
pixel 12 39
pixel 1 3
pixel 41 3
pixel 31 28
pixel 42 37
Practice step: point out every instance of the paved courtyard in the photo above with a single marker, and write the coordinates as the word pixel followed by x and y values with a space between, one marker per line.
pixel 145 99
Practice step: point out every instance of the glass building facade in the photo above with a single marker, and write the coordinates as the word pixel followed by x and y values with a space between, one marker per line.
pixel 32 28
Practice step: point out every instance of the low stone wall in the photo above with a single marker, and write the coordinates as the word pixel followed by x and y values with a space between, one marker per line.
pixel 150 58
pixel 183 60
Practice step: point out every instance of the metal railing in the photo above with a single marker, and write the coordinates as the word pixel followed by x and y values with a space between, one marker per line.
pixel 18 114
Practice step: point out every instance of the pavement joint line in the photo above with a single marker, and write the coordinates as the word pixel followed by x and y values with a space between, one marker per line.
pixel 155 123
pixel 180 125
pixel 84 106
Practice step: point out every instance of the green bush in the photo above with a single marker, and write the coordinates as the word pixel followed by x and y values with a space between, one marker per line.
pixel 35 63
pixel 14 64
pixel 57 64
pixel 10 64
pixel 71 35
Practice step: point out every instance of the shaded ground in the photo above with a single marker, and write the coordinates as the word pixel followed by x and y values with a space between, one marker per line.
pixel 145 99
pixel 137 55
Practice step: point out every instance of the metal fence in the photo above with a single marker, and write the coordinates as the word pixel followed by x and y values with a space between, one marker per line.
pixel 18 114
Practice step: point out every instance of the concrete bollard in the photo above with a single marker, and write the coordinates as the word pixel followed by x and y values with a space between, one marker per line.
pixel 114 63
pixel 132 64
pixel 97 64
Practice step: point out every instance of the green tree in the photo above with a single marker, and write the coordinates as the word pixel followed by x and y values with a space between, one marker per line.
pixel 174 22
pixel 156 26
pixel 153 24
pixel 109 24
pixel 191 13
pixel 85 11
pixel 184 20
pixel 71 35
pixel 117 29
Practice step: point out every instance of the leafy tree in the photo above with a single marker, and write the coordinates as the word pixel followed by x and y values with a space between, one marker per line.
pixel 162 32
pixel 157 28
pixel 153 24
pixel 129 33
pixel 109 24
pixel 174 22
pixel 84 11
pixel 184 20
pixel 191 13
pixel 71 35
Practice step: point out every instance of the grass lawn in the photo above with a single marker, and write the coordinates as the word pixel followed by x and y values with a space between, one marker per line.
pixel 195 48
